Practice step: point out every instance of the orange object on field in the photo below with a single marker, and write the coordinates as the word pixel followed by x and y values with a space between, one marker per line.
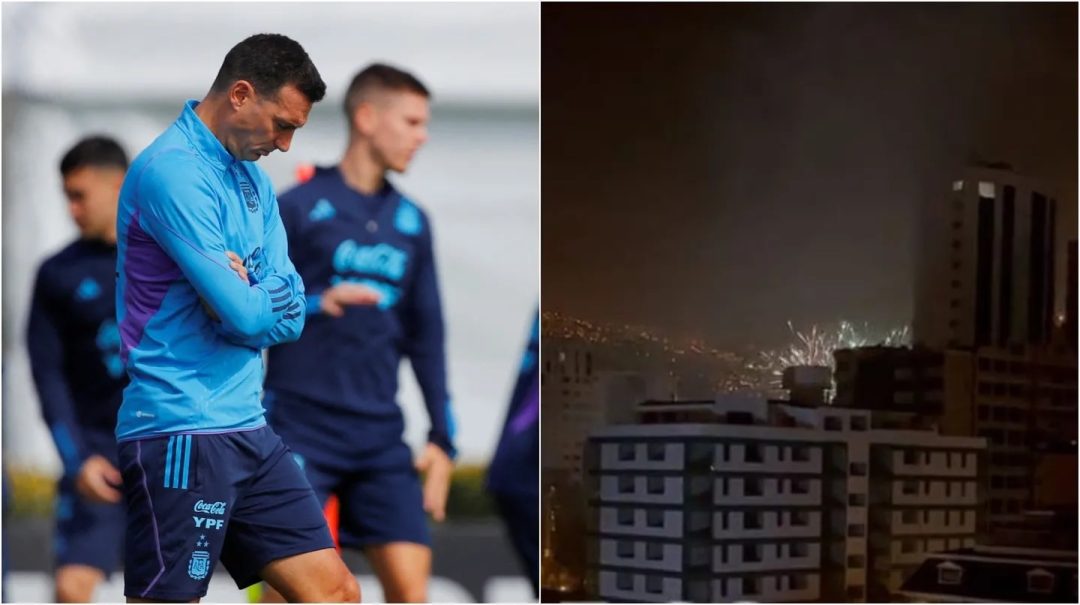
pixel 304 172
pixel 332 512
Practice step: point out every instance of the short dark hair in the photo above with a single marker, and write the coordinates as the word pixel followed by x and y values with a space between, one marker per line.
pixel 98 151
pixel 270 61
pixel 380 76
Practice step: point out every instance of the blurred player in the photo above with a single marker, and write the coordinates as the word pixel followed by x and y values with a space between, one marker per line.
pixel 75 359
pixel 514 474
pixel 205 284
pixel 332 394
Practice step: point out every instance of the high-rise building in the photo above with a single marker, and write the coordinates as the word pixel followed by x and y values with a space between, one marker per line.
pixel 1021 399
pixel 986 266
pixel 746 499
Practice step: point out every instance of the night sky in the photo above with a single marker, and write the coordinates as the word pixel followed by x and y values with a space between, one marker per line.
pixel 716 170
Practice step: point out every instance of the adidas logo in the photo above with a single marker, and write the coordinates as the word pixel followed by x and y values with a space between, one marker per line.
pixel 88 289
pixel 322 211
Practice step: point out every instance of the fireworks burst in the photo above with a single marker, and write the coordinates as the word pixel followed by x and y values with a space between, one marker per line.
pixel 815 347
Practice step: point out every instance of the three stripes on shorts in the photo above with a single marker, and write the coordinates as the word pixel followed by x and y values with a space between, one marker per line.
pixel 178 461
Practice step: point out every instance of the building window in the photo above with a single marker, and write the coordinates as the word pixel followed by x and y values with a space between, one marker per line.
pixel 855 592
pixel 751 553
pixel 800 486
pixel 856 530
pixel 654 518
pixel 856 561
pixel 751 520
pixel 908 546
pixel 799 550
pixel 800 518
pixel 800 453
pixel 654 551
pixel 984 412
pixel 626 516
pixel 910 488
pixel 797 581
pixel 781 453
pixel 856 499
pixel 752 452
pixel 723 449
pixel 1040 581
pixel 948 489
pixel 655 485
pixel 750 586
pixel 858 423
pixel 832 423
pixel 655 452
pixel 857 469
pixel 624 581
pixel 654 584
pixel 909 517
pixel 752 486
pixel 624 548
pixel 911 457
pixel 626 484
pixel 626 452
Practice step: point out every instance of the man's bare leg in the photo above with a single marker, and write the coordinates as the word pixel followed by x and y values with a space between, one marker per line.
pixel 318 576
pixel 76 583
pixel 403 569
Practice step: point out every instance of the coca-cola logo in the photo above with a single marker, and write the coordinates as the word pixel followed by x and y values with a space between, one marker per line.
pixel 210 508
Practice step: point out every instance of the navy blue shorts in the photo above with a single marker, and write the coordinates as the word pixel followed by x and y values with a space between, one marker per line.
pixel 87 533
pixel 195 499
pixel 364 462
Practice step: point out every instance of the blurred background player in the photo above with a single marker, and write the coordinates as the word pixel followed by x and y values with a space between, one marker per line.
pixel 332 395
pixel 74 351
pixel 514 474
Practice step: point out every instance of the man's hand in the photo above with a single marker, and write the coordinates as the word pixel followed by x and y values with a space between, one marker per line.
pixel 335 299
pixel 98 479
pixel 237 264
pixel 437 468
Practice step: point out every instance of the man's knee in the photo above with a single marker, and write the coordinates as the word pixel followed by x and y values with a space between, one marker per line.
pixel 348 589
pixel 76 583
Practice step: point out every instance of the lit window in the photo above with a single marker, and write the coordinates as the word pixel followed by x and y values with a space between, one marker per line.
pixel 949 573
pixel 986 189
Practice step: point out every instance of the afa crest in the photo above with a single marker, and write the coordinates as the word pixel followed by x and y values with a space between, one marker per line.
pixel 250 199
pixel 199 565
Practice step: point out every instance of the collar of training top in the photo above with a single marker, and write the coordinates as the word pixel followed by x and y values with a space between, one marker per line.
pixel 202 140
